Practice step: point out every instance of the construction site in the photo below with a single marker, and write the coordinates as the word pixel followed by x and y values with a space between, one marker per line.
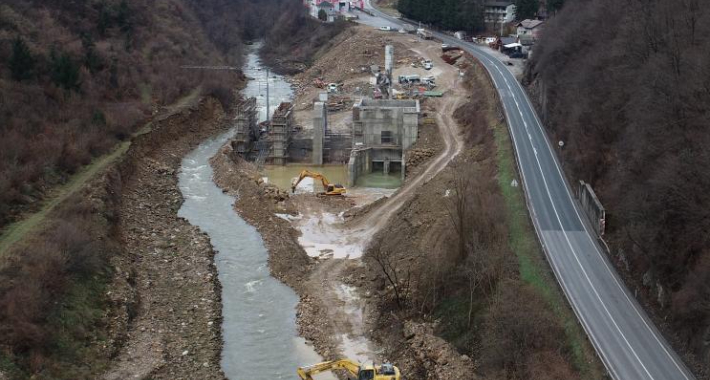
pixel 355 113
pixel 370 123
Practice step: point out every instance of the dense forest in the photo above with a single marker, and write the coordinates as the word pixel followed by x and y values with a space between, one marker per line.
pixel 467 15
pixel 627 86
pixel 449 14
pixel 77 77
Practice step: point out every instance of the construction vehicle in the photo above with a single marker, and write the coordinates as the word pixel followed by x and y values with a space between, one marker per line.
pixel 328 188
pixel 385 371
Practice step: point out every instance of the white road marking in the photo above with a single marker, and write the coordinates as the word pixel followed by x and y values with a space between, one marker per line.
pixel 612 273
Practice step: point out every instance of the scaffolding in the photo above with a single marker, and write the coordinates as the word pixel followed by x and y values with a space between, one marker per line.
pixel 280 134
pixel 247 129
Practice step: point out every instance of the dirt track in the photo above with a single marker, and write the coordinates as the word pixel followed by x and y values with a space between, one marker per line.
pixel 347 309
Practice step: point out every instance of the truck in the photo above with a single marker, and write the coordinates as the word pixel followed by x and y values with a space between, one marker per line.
pixel 425 34
pixel 411 78
pixel 409 29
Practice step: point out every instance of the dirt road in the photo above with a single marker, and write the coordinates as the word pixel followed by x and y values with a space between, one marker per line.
pixel 333 313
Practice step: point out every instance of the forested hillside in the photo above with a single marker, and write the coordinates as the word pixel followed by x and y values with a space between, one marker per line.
pixel 449 14
pixel 467 15
pixel 78 76
pixel 626 85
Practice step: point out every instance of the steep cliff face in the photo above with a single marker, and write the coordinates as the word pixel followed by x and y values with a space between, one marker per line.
pixel 626 86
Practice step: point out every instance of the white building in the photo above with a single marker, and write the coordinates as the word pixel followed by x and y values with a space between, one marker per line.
pixel 497 11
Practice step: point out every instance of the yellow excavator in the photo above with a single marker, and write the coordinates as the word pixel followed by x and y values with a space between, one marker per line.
pixel 385 371
pixel 328 188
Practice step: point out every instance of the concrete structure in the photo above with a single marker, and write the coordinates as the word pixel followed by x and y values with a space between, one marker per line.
pixel 497 12
pixel 382 131
pixel 247 133
pixel 592 207
pixel 280 134
pixel 320 124
pixel 265 142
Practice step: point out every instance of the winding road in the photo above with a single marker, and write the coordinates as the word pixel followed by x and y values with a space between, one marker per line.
pixel 627 341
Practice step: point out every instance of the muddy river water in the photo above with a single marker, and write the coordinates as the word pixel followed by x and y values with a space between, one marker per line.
pixel 259 315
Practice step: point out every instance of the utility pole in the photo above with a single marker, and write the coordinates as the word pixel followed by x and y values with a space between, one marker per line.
pixel 268 114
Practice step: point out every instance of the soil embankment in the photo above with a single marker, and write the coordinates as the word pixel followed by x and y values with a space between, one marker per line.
pixel 268 208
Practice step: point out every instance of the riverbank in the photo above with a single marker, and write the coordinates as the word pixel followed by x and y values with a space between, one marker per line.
pixel 114 285
pixel 173 320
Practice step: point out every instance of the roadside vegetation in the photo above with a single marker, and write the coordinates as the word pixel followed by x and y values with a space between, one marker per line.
pixel 468 260
pixel 625 86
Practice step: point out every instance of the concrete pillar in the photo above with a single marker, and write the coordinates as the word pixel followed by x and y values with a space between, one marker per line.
pixel 386 166
pixel 320 122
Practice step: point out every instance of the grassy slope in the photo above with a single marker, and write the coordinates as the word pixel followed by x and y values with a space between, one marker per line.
pixel 533 267
pixel 18 230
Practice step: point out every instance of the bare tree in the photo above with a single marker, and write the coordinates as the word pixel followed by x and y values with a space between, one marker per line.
pixel 397 274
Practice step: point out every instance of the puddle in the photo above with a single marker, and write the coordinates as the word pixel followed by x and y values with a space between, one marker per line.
pixel 322 236
pixel 380 180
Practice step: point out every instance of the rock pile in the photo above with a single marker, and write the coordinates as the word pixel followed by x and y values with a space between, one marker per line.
pixel 439 358
pixel 418 156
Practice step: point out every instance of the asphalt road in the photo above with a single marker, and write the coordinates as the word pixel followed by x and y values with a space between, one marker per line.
pixel 628 343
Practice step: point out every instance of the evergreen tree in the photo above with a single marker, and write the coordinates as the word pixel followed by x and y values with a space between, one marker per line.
pixel 64 71
pixel 92 60
pixel 448 14
pixel 554 5
pixel 22 62
pixel 322 15
pixel 525 9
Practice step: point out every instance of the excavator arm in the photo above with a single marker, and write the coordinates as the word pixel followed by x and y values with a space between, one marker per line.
pixel 307 373
pixel 314 175
pixel 328 188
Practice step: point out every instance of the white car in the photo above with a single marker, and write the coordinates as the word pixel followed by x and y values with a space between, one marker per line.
pixel 428 65
pixel 385 28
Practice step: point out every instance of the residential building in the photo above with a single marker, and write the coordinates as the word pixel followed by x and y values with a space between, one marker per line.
pixel 497 11
pixel 333 7
pixel 329 10
pixel 530 29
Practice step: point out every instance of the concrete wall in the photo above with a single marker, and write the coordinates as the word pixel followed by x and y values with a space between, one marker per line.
pixel 372 117
pixel 337 147
pixel 320 123
pixel 592 207
pixel 301 150
pixel 358 164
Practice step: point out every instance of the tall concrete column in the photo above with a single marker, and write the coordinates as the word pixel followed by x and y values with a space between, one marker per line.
pixel 320 123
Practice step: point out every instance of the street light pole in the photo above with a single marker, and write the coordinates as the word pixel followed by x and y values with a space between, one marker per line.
pixel 268 114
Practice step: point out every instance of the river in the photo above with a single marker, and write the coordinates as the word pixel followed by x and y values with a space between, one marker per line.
pixel 259 312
